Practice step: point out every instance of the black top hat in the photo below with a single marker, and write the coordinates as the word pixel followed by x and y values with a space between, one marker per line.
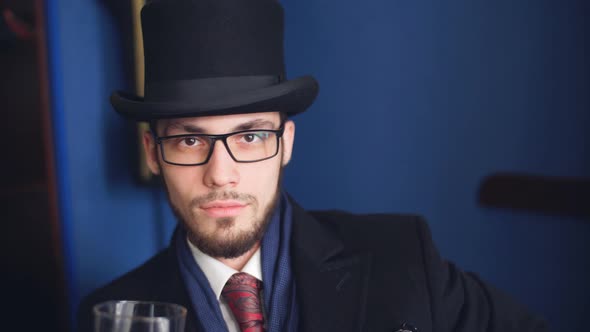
pixel 214 57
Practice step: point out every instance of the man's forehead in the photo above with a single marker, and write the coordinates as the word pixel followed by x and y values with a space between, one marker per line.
pixel 211 124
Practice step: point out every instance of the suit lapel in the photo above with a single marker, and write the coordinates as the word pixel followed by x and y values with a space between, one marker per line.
pixel 332 284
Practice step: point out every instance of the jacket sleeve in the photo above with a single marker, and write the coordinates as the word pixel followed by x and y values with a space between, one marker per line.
pixel 462 302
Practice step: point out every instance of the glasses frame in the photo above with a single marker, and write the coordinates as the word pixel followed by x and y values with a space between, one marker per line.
pixel 223 137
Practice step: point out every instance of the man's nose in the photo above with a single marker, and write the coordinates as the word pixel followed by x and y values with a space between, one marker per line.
pixel 221 170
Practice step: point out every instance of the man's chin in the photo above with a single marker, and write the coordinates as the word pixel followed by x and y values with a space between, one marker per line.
pixel 225 225
pixel 225 243
pixel 226 237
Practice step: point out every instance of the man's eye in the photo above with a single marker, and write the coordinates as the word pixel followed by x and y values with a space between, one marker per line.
pixel 189 141
pixel 249 138
pixel 254 137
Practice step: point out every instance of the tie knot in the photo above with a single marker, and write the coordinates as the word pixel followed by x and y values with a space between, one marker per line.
pixel 242 294
pixel 243 280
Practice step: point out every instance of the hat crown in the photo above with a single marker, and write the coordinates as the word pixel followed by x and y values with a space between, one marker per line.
pixel 192 39
pixel 214 57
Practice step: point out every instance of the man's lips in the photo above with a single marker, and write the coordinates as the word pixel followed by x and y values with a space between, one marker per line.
pixel 220 209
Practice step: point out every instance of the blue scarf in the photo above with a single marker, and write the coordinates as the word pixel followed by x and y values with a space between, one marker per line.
pixel 279 287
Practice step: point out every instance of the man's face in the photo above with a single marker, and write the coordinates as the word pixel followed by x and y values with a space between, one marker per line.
pixel 224 205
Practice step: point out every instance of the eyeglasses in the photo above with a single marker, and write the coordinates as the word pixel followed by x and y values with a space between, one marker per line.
pixel 246 146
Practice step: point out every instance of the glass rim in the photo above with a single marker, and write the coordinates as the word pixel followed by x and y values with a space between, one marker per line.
pixel 178 310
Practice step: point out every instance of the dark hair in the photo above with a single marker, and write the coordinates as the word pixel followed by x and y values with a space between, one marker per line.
pixel 154 123
pixel 153 126
pixel 283 117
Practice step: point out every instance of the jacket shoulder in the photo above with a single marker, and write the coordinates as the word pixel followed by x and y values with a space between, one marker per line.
pixel 402 249
pixel 396 225
pixel 134 282
pixel 381 233
pixel 373 219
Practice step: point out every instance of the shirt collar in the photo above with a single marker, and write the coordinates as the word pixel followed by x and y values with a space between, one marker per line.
pixel 218 273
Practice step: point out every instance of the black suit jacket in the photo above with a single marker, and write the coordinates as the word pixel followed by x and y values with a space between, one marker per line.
pixel 367 273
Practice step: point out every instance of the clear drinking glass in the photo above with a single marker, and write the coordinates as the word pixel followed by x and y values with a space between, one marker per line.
pixel 138 316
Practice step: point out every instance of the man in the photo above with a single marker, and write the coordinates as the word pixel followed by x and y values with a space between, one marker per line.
pixel 219 106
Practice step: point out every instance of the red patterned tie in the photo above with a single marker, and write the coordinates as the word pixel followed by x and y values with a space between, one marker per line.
pixel 242 293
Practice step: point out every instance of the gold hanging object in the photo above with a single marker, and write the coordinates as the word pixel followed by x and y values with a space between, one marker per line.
pixel 145 175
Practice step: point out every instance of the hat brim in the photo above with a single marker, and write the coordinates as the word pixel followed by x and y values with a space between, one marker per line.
pixel 292 97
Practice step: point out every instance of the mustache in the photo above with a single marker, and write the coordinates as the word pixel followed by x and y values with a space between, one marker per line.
pixel 220 196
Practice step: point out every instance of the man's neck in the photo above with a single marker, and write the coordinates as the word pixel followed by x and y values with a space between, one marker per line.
pixel 238 263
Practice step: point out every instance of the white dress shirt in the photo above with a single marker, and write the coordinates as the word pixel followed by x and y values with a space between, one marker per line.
pixel 218 274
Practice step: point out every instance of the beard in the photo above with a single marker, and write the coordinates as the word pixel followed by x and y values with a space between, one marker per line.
pixel 232 243
pixel 227 241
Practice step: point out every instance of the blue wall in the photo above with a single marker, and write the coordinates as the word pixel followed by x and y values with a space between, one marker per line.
pixel 110 222
pixel 419 101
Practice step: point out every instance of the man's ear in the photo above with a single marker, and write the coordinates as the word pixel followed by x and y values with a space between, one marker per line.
pixel 151 152
pixel 288 141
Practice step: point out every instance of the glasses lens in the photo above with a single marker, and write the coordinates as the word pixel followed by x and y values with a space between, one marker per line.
pixel 186 150
pixel 253 145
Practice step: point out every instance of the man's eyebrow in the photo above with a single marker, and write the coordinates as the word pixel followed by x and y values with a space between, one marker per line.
pixel 186 127
pixel 255 124
pixel 194 129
